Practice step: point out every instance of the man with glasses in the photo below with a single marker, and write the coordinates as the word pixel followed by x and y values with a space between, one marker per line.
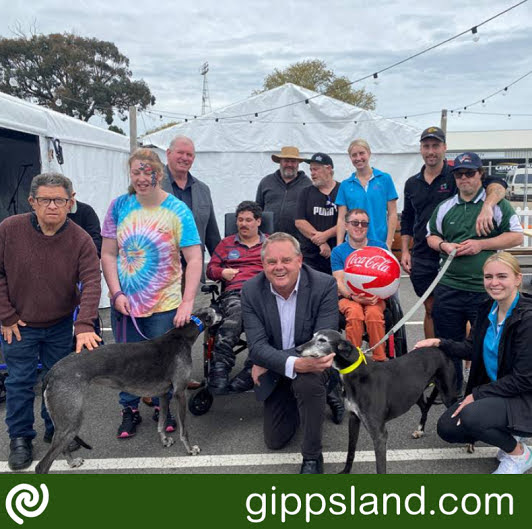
pixel 422 193
pixel 454 225
pixel 43 256
pixel 317 214
pixel 359 311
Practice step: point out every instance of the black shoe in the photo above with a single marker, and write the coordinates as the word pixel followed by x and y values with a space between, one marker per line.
pixel 21 453
pixel 171 423
pixel 312 466
pixel 219 379
pixel 336 403
pixel 130 419
pixel 242 382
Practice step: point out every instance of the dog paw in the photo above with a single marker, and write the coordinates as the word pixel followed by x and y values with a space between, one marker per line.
pixel 167 441
pixel 195 450
pixel 75 463
pixel 418 434
pixel 470 448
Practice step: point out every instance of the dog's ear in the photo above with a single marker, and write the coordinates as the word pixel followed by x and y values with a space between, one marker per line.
pixel 345 347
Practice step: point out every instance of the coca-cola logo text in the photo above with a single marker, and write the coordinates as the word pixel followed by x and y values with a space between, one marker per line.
pixel 375 262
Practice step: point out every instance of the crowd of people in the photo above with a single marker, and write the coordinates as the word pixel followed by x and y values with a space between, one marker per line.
pixel 280 286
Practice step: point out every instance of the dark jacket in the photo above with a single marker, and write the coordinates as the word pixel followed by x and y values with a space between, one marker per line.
pixel 203 211
pixel 86 218
pixel 514 372
pixel 275 195
pixel 316 308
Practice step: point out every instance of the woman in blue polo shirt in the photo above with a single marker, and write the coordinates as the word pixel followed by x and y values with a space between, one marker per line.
pixel 369 189
pixel 498 407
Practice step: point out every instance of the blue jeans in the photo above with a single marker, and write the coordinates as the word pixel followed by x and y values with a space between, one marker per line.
pixel 152 327
pixel 452 310
pixel 49 345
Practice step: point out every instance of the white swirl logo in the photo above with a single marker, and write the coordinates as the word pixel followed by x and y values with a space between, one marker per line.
pixel 28 497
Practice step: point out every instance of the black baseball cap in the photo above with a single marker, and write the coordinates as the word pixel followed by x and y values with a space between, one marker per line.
pixel 467 160
pixel 433 132
pixel 321 158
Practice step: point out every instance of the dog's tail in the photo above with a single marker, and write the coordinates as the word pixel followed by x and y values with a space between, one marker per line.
pixel 82 443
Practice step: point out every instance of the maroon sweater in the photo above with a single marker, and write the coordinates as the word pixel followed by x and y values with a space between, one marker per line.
pixel 39 275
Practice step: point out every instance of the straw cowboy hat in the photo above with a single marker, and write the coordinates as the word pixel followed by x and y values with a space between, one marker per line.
pixel 288 152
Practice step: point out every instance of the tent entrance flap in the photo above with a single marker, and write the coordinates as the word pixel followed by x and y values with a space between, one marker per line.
pixel 19 163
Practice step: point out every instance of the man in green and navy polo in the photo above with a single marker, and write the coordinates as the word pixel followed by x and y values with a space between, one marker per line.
pixel 453 225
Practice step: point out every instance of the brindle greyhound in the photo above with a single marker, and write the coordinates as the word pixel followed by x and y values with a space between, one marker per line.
pixel 152 367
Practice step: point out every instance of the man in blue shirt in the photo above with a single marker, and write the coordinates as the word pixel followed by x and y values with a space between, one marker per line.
pixel 358 309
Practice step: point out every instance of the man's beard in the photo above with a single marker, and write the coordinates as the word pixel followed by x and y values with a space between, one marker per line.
pixel 292 173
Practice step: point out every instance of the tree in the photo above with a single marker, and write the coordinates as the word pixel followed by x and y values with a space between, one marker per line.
pixel 78 76
pixel 314 75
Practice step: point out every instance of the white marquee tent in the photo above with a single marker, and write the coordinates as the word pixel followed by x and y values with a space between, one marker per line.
pixel 234 154
pixel 94 159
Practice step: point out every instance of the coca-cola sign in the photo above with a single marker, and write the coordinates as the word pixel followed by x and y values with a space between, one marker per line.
pixel 372 271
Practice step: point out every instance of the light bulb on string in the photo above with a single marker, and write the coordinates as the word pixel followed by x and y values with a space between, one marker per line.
pixel 505 91
pixel 475 33
pixel 484 103
pixel 376 78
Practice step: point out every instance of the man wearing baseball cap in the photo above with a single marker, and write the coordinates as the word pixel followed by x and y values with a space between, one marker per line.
pixel 317 214
pixel 422 194
pixel 453 225
pixel 278 191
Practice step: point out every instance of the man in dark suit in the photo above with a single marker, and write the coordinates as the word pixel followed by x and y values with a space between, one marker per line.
pixel 282 307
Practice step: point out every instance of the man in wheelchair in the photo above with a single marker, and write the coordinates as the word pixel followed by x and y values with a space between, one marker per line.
pixel 235 260
pixel 359 311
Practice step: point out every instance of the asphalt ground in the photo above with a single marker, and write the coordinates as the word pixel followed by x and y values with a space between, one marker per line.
pixel 231 439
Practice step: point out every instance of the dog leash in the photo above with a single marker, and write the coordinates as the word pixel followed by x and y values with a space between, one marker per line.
pixel 419 302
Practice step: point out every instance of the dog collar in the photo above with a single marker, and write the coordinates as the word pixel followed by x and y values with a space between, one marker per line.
pixel 352 367
pixel 198 322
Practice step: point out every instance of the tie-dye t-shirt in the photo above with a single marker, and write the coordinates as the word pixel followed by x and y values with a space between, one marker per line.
pixel 149 239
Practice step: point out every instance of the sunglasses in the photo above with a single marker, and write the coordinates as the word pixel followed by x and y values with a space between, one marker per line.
pixel 357 223
pixel 468 174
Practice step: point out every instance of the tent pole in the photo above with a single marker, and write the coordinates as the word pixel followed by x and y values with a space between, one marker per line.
pixel 132 128
pixel 444 120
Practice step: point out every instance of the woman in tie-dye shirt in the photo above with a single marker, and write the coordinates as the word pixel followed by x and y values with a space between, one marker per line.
pixel 144 232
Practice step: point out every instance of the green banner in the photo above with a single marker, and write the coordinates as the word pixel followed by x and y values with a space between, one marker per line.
pixel 234 501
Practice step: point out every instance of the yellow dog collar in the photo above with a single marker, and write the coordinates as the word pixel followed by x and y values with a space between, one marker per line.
pixel 352 367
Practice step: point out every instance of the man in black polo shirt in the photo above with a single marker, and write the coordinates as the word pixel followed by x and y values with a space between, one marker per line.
pixel 317 214
pixel 423 192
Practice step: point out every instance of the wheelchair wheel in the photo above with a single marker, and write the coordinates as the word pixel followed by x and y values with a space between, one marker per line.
pixel 200 402
pixel 395 313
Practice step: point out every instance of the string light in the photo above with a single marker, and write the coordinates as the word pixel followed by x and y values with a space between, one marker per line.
pixel 376 78
pixel 476 36
pixel 505 91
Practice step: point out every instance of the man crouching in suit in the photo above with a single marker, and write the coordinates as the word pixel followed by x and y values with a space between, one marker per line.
pixel 282 307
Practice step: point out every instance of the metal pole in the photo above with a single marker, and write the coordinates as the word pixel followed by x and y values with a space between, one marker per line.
pixel 525 193
pixel 132 128
pixel 443 125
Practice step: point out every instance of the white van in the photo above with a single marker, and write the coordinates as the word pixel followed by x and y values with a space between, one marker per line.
pixel 516 185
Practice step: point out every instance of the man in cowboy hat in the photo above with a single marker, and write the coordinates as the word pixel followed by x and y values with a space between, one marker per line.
pixel 278 191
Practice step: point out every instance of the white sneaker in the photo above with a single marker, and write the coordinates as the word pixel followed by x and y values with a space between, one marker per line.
pixel 515 464
pixel 501 454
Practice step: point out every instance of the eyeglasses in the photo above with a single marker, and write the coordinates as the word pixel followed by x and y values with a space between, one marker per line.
pixel 357 223
pixel 468 174
pixel 330 203
pixel 59 202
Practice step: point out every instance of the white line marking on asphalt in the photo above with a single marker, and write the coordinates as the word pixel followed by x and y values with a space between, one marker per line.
pixel 259 460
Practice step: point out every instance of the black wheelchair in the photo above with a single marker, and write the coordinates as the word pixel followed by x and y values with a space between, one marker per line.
pixel 201 400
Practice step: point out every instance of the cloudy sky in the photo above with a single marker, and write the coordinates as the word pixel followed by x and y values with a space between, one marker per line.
pixel 167 42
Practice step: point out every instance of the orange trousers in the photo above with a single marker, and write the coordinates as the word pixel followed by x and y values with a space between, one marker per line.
pixel 372 317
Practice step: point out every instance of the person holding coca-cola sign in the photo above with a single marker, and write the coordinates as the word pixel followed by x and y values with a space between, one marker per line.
pixel 360 311
pixel 370 189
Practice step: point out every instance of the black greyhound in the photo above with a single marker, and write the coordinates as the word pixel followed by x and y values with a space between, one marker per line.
pixel 377 392
pixel 152 367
